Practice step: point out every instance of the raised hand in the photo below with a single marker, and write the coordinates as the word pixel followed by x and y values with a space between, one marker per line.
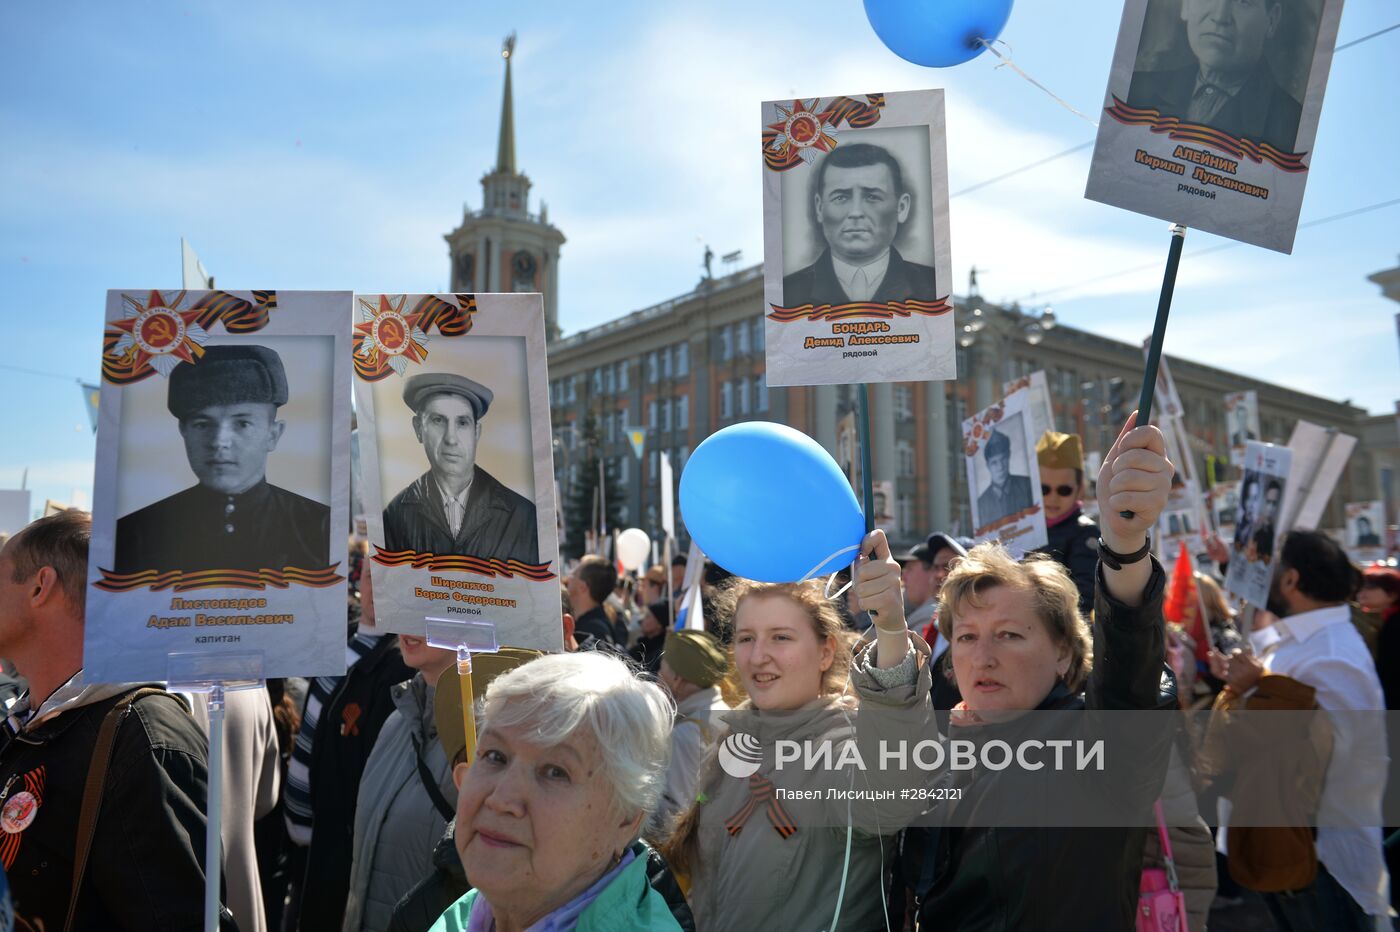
pixel 1135 480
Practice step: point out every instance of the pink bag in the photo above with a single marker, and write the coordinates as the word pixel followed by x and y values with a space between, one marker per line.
pixel 1161 904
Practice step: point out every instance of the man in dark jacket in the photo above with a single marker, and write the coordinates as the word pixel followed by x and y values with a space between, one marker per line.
pixel 457 507
pixel 589 586
pixel 1074 537
pixel 232 519
pixel 860 202
pixel 145 867
pixel 1229 86
pixel 346 727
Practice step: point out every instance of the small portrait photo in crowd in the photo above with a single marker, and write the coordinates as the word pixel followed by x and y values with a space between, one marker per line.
pixel 1241 422
pixel 1004 474
pixel 1366 530
pixel 457 462
pixel 1225 504
pixel 856 252
pixel 221 496
pixel 225 464
pixel 1258 527
pixel 1240 67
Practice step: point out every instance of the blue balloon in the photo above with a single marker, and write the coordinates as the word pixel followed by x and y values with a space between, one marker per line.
pixel 937 33
pixel 766 502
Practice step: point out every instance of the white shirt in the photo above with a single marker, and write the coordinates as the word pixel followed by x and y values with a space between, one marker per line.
pixel 1322 649
pixel 860 282
pixel 454 507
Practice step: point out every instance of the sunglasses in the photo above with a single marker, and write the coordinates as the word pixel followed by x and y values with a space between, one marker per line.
pixel 1064 491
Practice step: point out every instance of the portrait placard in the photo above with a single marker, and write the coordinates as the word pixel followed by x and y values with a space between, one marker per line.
pixel 1320 455
pixel 1211 112
pixel 222 489
pixel 857 271
pixel 1224 506
pixel 452 395
pixel 1365 531
pixel 1004 476
pixel 1241 422
pixel 1041 412
pixel 1260 525
pixel 1180 523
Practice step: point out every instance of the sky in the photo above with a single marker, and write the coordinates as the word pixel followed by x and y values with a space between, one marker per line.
pixel 330 146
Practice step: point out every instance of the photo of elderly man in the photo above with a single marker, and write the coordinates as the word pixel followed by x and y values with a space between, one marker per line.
pixel 233 518
pixel 457 508
pixel 1229 85
pixel 860 200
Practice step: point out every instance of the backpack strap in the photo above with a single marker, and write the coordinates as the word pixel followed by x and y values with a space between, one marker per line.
pixel 444 808
pixel 96 784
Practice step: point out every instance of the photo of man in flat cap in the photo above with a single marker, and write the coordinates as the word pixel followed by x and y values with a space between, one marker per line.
pixel 1005 494
pixel 457 508
pixel 232 519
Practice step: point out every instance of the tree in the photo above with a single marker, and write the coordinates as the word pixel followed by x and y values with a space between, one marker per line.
pixel 580 514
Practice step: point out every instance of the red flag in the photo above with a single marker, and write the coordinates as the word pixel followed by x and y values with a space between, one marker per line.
pixel 1183 602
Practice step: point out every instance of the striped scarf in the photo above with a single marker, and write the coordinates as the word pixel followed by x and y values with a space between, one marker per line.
pixel 298 795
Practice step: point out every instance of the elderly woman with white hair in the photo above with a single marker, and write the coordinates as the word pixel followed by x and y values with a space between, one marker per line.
pixel 570 762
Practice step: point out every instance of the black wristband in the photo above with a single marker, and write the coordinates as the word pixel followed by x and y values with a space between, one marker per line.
pixel 1116 561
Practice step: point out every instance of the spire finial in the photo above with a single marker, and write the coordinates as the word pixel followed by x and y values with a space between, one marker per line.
pixel 505 151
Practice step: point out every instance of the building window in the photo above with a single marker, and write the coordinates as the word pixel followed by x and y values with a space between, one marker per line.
pixel 624 469
pixel 651 414
pixel 573 389
pixel 682 455
pixel 742 334
pixel 904 514
pixel 760 391
pixel 726 401
pixel 609 386
pixel 611 431
pixel 904 453
pixel 726 343
pixel 622 376
pixel 666 362
pixel 597 381
pixel 682 360
pixel 651 368
pixel 666 415
pixel 743 388
pixel 758 334
pixel 903 403
pixel 683 412
pixel 655 473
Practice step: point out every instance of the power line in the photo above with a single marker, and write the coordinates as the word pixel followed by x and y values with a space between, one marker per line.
pixel 1023 168
pixel 51 375
pixel 1218 247
pixel 1378 32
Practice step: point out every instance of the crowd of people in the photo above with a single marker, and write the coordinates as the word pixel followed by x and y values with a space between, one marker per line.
pixel 598 796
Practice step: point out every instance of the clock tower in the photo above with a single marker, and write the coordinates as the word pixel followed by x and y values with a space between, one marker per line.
pixel 502 246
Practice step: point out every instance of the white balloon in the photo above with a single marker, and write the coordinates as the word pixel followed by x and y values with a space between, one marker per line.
pixel 633 547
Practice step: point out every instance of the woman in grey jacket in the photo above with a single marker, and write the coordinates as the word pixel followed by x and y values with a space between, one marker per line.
pixel 406 796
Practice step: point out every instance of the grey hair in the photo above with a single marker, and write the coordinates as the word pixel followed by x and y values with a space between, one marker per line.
pixel 629 717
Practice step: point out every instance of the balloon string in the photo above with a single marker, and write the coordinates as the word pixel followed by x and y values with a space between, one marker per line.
pixel 814 570
pixel 842 591
pixel 1006 62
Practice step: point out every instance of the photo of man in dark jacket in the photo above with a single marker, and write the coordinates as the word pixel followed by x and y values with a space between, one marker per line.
pixel 861 201
pixel 1230 85
pixel 232 518
pixel 457 507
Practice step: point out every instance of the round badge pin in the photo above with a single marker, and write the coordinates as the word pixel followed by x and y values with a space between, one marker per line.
pixel 20 810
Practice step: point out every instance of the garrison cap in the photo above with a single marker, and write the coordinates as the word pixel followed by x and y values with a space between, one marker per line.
pixel 447 698
pixel 1055 450
pixel 419 388
pixel 695 656
pixel 227 374
pixel 998 444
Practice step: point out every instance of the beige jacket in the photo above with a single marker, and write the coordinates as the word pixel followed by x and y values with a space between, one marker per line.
pixel 756 878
